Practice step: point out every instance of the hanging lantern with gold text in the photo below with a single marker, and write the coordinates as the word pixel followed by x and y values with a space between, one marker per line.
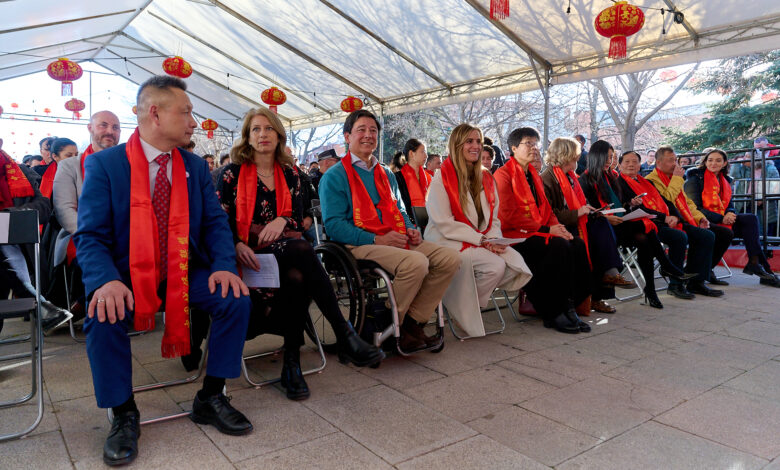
pixel 350 104
pixel 209 125
pixel 617 22
pixel 177 66
pixel 75 106
pixel 65 71
pixel 273 97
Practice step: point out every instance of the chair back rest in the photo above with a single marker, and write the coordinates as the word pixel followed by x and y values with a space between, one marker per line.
pixel 18 227
pixel 421 217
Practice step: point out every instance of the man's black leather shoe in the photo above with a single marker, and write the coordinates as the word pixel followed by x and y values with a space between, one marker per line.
pixel 571 314
pixel 562 323
pixel 679 291
pixel 758 270
pixel 121 446
pixel 715 281
pixel 217 411
pixel 352 348
pixel 701 289
pixel 775 282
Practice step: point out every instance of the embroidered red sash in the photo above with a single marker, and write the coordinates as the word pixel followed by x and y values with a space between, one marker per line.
pixel 246 197
pixel 575 198
pixel 653 200
pixel 716 194
pixel 416 184
pixel 18 185
pixel 680 201
pixel 144 251
pixel 524 199
pixel 364 213
pixel 47 180
pixel 450 180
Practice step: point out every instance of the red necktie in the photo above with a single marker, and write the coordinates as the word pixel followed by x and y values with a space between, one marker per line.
pixel 162 202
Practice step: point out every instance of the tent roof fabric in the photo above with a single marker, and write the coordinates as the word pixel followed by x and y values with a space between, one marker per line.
pixel 397 55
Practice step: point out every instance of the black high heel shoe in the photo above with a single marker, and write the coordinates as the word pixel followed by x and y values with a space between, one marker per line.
pixel 651 299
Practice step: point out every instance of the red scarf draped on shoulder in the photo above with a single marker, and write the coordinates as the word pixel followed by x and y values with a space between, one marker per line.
pixel 524 199
pixel 575 198
pixel 450 180
pixel 653 200
pixel 417 184
pixel 246 197
pixel 87 152
pixel 680 202
pixel 649 226
pixel 716 195
pixel 47 180
pixel 14 184
pixel 144 251
pixel 364 213
pixel 71 249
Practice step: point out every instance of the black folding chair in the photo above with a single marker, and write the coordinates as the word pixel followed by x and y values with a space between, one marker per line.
pixel 18 228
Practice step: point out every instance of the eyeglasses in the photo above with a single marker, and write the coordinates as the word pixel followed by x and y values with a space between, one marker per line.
pixel 531 145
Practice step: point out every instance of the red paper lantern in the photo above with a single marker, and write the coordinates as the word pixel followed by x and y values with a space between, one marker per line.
pixel 668 75
pixel 617 22
pixel 768 96
pixel 177 66
pixel 15 106
pixel 65 71
pixel 209 125
pixel 75 106
pixel 47 111
pixel 273 97
pixel 1 110
pixel 58 120
pixel 499 9
pixel 350 103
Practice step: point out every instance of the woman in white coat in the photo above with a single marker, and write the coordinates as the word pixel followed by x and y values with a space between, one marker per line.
pixel 463 214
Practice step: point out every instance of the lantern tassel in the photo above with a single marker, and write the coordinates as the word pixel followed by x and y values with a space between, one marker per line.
pixel 617 47
pixel 499 9
pixel 67 88
pixel 210 134
pixel 273 108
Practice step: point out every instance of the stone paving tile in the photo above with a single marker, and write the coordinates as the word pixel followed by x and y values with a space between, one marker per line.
pixel 278 423
pixel 18 418
pixel 753 422
pixel 655 446
pixel 477 392
pixel 678 376
pixel 533 435
pixel 549 377
pixel 399 373
pixel 461 356
pixel 763 381
pixel 389 424
pixel 335 451
pixel 529 336
pixel 729 351
pixel 37 451
pixel 774 465
pixel 570 361
pixel 600 406
pixel 336 379
pixel 761 331
pixel 625 344
pixel 477 452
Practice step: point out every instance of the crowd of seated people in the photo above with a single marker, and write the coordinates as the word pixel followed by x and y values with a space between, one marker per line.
pixel 148 226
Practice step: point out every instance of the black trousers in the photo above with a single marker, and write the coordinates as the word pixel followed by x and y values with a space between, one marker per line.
pixel 602 244
pixel 746 227
pixel 723 237
pixel 699 243
pixel 561 275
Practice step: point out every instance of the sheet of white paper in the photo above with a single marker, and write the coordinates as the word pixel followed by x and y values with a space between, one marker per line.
pixel 268 276
pixel 505 241
pixel 5 220
pixel 617 210
pixel 638 214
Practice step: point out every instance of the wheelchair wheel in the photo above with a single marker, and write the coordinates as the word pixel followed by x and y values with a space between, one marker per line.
pixel 347 286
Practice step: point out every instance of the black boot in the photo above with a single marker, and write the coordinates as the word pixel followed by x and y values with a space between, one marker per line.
pixel 352 348
pixel 651 298
pixel 292 377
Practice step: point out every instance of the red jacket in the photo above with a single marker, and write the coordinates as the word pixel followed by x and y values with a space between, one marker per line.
pixel 512 218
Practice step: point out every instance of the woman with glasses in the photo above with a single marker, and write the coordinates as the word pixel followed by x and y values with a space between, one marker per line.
pixel 602 190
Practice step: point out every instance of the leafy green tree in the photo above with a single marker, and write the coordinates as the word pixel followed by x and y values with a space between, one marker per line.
pixel 734 122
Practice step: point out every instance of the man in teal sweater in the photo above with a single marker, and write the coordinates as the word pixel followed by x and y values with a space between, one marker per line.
pixel 383 232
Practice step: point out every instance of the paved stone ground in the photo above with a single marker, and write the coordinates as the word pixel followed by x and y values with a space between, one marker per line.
pixel 695 385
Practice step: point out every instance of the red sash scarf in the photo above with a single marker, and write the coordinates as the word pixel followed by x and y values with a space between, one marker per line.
pixel 87 152
pixel 416 184
pixel 17 183
pixel 364 213
pixel 716 194
pixel 575 198
pixel 653 200
pixel 680 202
pixel 144 251
pixel 47 180
pixel 450 180
pixel 524 199
pixel 246 197
pixel 70 252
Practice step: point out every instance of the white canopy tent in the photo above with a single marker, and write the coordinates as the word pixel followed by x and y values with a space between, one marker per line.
pixel 398 55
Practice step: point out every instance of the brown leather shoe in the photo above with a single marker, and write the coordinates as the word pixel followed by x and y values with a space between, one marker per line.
pixel 583 309
pixel 617 281
pixel 412 335
pixel 602 306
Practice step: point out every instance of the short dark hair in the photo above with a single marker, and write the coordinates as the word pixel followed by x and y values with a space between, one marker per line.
pixel 703 163
pixel 487 141
pixel 761 138
pixel 581 138
pixel 411 146
pixel 44 140
pixel 489 149
pixel 60 143
pixel 191 145
pixel 620 159
pixel 160 82
pixel 663 150
pixel 517 136
pixel 223 158
pixel 349 123
pixel 431 156
pixel 207 156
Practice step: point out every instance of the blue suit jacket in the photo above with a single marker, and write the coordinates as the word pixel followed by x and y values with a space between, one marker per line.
pixel 103 236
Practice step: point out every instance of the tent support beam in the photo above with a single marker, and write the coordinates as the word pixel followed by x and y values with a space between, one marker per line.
pixel 544 87
pixel 233 59
pixel 124 26
pixel 294 50
pixel 392 48
pixel 52 46
pixel 509 34
pixel 72 54
pixel 691 32
pixel 58 23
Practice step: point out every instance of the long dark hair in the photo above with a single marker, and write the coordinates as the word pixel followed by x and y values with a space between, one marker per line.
pixel 597 158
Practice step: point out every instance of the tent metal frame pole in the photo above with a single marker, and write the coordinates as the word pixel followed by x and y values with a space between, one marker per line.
pixel 382 133
pixel 90 95
pixel 74 20
pixel 691 32
pixel 546 131
pixel 124 26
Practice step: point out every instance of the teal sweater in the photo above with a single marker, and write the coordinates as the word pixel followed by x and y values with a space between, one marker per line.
pixel 336 201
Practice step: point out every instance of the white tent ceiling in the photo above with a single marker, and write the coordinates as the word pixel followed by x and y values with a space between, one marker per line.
pixel 400 55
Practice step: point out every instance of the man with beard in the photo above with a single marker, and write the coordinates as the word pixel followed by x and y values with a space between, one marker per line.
pixel 104 133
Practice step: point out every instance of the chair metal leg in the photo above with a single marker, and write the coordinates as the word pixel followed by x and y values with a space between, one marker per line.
pixel 729 273
pixel 495 308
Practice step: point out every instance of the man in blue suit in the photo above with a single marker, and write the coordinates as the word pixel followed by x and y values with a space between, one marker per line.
pixel 110 266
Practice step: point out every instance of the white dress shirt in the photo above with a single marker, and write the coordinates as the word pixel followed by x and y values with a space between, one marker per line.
pixel 151 153
pixel 360 163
